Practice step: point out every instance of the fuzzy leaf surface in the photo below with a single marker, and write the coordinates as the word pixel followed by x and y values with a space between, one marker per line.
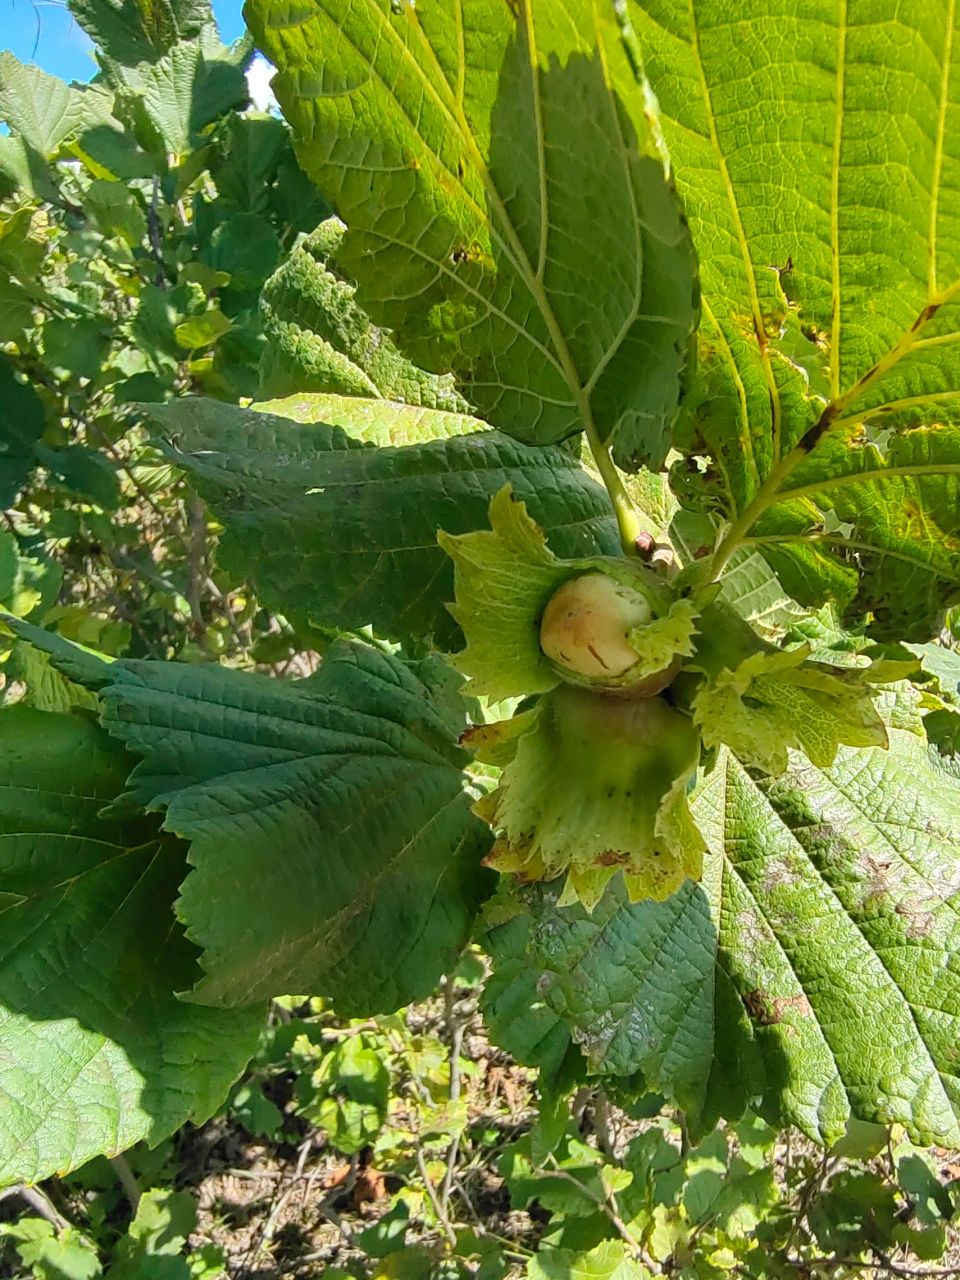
pixel 97 1051
pixel 364 520
pixel 129 31
pixel 830 265
pixel 506 202
pixel 815 966
pixel 320 340
pixel 43 109
pixel 353 776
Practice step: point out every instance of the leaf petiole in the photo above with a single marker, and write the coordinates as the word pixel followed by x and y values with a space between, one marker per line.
pixel 628 521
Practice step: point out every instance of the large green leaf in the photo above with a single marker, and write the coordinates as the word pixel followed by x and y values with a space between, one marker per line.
pixel 132 31
pixel 498 169
pixel 97 1051
pixel 332 841
pixel 166 99
pixel 821 947
pixel 323 523
pixel 43 109
pixel 815 152
pixel 319 339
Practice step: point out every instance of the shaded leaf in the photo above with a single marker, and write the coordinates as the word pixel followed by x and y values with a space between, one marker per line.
pixel 365 520
pixel 319 339
pixel 355 775
pixel 21 426
pixel 98 1052
pixel 132 31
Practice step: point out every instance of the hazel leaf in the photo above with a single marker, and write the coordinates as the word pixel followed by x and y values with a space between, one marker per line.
pixel 773 701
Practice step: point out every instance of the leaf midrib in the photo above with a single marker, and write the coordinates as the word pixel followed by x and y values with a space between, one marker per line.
pixel 520 261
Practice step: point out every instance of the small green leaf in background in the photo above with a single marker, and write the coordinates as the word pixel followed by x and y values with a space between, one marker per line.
pixel 258 1115
pixel 116 211
pixel 388 1234
pixel 858 1208
pixel 52 1254
pixel 28 583
pixel 246 164
pixel 203 331
pixel 75 348
pixel 153 1246
pixel 610 1260
pixel 931 1204
pixel 246 247
pixel 352 1093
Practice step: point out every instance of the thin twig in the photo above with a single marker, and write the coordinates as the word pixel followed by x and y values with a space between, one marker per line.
pixel 154 236
pixel 438 1208
pixel 455 1028
pixel 607 1205
pixel 889 1267
pixel 222 598
pixel 603 1124
pixel 811 1189
pixel 196 558
pixel 281 1198
pixel 40 1203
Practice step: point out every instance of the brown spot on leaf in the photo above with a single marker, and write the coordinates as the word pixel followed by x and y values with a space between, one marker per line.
pixel 919 923
pixel 768 1010
pixel 612 858
pixel 928 312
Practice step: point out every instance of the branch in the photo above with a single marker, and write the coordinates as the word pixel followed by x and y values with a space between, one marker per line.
pixel 438 1208
pixel 455 1029
pixel 607 1206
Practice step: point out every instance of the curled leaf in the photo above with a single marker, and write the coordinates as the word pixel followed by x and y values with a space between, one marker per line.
pixel 774 700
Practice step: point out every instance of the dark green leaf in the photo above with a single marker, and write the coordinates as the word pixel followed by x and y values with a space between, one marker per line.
pixel 83 471
pixel 132 31
pixel 365 520
pixel 75 348
pixel 246 247
pixel 355 776
pixel 21 426
pixel 98 1053
pixel 246 165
